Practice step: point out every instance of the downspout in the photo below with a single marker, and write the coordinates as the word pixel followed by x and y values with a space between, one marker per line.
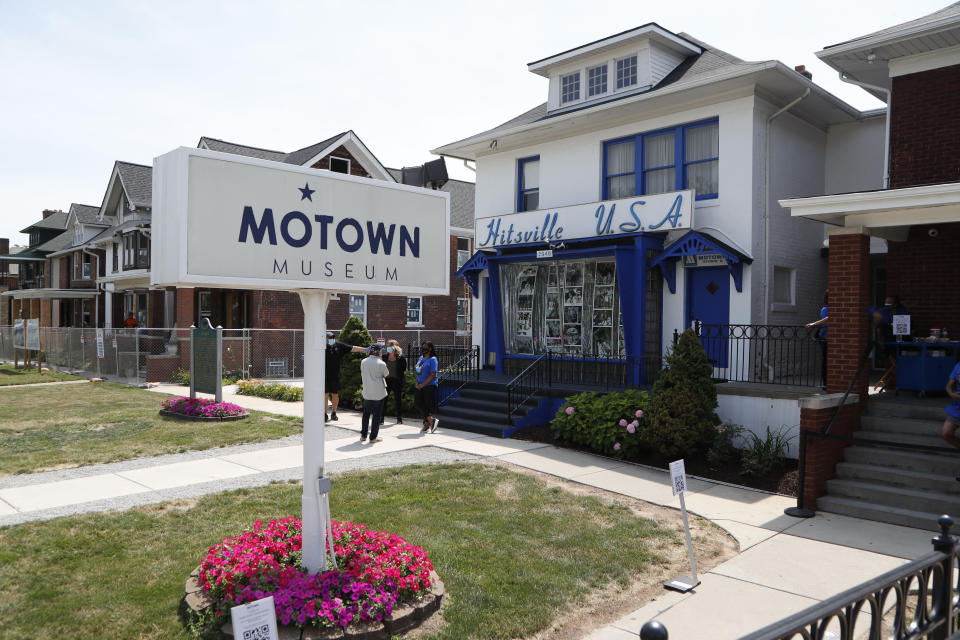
pixel 766 204
pixel 886 133
pixel 96 278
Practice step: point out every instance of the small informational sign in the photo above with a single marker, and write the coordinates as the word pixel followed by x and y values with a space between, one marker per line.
pixel 901 325
pixel 678 477
pixel 33 334
pixel 255 620
pixel 18 337
pixel 545 253
pixel 114 343
pixel 100 344
pixel 205 360
pixel 381 341
pixel 705 260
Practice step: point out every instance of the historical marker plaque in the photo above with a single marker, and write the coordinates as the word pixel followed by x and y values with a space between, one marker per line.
pixel 205 365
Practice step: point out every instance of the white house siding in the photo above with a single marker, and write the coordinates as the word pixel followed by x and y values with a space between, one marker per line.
pixel 797 150
pixel 662 62
pixel 854 159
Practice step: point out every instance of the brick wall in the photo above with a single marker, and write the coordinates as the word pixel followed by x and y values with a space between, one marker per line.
pixel 925 128
pixel 848 304
pixel 822 455
pixel 356 169
pixel 925 272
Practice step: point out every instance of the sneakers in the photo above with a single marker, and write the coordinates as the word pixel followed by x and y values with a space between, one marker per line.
pixel 399 421
pixel 372 440
pixel 333 416
pixel 363 439
pixel 433 426
pixel 326 418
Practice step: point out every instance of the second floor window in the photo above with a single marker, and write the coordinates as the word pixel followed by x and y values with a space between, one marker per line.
pixel 463 251
pixel 415 311
pixel 626 72
pixel 358 307
pixel 683 157
pixel 136 251
pixel 528 184
pixel 339 165
pixel 597 80
pixel 81 266
pixel 570 87
pixel 116 256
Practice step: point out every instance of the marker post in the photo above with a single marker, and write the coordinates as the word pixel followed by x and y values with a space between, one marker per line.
pixel 678 478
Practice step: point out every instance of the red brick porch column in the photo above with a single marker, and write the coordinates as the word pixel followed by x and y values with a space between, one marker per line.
pixel 848 304
pixel 823 454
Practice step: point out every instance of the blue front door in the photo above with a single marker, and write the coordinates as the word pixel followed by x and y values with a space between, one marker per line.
pixel 708 300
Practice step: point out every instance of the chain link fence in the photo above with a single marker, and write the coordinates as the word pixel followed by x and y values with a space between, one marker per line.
pixel 137 356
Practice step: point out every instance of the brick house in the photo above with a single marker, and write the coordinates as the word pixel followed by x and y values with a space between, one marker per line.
pixel 915 68
pixel 28 294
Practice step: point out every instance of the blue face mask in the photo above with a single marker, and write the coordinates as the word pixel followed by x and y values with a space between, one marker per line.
pixel 331 342
pixel 389 349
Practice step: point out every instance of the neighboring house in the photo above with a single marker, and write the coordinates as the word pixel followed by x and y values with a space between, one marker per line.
pixel 31 297
pixel 641 196
pixel 915 68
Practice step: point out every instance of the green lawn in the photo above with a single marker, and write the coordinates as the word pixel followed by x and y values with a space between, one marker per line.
pixel 10 376
pixel 74 425
pixel 511 550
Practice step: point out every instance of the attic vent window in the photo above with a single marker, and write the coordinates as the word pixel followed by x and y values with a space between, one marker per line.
pixel 340 165
pixel 597 80
pixel 570 87
pixel 626 72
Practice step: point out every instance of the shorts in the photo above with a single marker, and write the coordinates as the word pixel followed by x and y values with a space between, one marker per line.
pixel 331 386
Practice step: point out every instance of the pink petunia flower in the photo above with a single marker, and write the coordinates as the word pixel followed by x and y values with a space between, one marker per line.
pixel 631 428
pixel 569 411
pixel 622 422
pixel 639 413
pixel 616 446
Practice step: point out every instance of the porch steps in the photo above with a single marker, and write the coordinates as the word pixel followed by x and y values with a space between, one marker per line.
pixel 898 469
pixel 480 407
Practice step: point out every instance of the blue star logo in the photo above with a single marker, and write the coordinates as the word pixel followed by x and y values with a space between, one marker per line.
pixel 306 192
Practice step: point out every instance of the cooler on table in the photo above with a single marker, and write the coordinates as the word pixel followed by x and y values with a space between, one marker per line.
pixel 925 366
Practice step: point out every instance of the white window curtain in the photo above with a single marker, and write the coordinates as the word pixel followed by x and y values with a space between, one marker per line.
pixel 659 152
pixel 620 159
pixel 703 143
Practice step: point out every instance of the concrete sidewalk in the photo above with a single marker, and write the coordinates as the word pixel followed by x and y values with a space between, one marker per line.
pixel 785 564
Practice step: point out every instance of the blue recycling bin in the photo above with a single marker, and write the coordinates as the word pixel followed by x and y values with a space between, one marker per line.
pixel 924 366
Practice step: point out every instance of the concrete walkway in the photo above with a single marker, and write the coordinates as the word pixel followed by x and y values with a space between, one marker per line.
pixel 785 564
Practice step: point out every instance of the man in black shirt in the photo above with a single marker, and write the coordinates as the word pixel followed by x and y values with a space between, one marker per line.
pixel 331 388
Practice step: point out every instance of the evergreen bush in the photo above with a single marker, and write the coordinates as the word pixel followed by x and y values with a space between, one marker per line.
pixel 609 424
pixel 354 333
pixel 682 417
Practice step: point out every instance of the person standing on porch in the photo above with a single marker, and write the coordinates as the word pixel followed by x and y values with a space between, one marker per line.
pixel 397 366
pixel 425 396
pixel 883 323
pixel 821 337
pixel 331 388
pixel 952 423
pixel 373 373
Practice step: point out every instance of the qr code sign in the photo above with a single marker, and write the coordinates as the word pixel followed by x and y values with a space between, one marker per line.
pixel 678 477
pixel 260 633
pixel 679 485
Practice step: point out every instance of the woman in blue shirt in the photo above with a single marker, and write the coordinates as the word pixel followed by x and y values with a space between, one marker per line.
pixel 952 423
pixel 821 337
pixel 425 395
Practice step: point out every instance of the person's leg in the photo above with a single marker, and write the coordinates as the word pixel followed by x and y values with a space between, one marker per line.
pixel 949 432
pixel 376 406
pixel 418 402
pixel 334 401
pixel 365 419
pixel 326 412
pixel 430 400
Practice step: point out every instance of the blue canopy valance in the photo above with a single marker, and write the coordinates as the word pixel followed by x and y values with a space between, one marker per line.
pixel 470 272
pixel 699 249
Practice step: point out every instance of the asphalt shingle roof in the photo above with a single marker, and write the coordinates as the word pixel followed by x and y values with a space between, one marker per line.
pixel 57 220
pixel 242 150
pixel 57 243
pixel 946 12
pixel 85 213
pixel 302 155
pixel 461 199
pixel 137 182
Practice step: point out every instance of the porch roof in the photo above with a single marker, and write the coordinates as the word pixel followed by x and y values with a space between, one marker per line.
pixel 889 212
pixel 699 243
pixel 50 294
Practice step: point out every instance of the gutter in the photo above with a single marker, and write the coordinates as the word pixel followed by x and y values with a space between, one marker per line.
pixel 886 134
pixel 766 203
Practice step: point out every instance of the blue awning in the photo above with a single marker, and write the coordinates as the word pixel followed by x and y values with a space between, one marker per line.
pixel 699 249
pixel 470 272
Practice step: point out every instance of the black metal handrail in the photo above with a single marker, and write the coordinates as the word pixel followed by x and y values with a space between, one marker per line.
pixel 919 595
pixel 763 353
pixel 465 369
pixel 531 380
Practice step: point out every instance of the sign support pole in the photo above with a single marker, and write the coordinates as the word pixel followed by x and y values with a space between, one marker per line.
pixel 678 478
pixel 316 515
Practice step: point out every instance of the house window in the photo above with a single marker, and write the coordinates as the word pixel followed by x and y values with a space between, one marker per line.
pixel 528 184
pixel 415 311
pixel 76 266
pixel 77 234
pixel 142 310
pixel 784 285
pixel 85 266
pixel 340 165
pixel 626 72
pixel 463 251
pixel 463 314
pixel 136 251
pixel 597 80
pixel 682 157
pixel 358 307
pixel 116 256
pixel 570 87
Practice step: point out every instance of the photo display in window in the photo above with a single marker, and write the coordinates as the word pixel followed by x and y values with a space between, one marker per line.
pixel 565 306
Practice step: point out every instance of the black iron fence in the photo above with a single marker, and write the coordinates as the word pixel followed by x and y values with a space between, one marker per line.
pixel 769 354
pixel 530 381
pixel 912 602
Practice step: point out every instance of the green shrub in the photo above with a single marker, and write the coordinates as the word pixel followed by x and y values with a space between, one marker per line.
pixel 182 376
pixel 272 391
pixel 763 455
pixel 681 417
pixel 356 334
pixel 603 422
pixel 724 449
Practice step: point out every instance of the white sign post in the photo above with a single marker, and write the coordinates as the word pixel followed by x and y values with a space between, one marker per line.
pixel 221 220
pixel 678 478
pixel 255 620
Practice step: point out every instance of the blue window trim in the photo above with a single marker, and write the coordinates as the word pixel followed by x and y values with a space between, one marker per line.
pixel 521 190
pixel 680 162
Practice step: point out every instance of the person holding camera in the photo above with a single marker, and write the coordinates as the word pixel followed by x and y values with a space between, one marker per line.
pixel 396 377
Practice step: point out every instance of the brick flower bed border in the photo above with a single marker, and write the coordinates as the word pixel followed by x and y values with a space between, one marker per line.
pixel 404 616
pixel 181 416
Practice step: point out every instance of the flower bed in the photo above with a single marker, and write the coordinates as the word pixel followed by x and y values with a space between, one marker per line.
pixel 275 391
pixel 379 574
pixel 201 409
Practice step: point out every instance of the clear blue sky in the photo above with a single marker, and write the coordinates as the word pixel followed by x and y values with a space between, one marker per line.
pixel 86 83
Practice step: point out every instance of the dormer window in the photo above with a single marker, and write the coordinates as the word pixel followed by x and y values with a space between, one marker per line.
pixel 340 165
pixel 570 87
pixel 626 72
pixel 597 80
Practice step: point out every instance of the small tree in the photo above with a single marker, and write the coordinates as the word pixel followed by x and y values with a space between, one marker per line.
pixel 681 418
pixel 354 333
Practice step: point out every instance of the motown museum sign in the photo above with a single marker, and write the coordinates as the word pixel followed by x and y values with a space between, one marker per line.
pixel 221 220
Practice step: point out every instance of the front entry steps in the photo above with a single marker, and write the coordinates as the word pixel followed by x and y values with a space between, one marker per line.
pixel 898 485
pixel 481 407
